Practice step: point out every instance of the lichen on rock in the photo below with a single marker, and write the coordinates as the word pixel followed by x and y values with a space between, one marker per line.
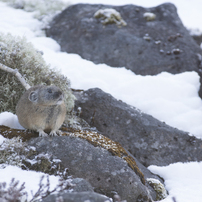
pixel 110 16
pixel 161 192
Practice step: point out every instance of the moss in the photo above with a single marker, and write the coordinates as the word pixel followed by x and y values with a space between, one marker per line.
pixel 11 133
pixel 17 53
pixel 161 192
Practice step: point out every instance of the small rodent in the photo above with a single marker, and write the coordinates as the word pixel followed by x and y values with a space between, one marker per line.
pixel 42 109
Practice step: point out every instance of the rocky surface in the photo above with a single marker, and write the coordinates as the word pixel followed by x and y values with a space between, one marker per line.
pixel 34 155
pixel 198 39
pixel 149 140
pixel 77 197
pixel 152 40
pixel 108 174
pixel 81 185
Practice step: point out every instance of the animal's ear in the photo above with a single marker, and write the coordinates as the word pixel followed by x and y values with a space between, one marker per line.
pixel 33 96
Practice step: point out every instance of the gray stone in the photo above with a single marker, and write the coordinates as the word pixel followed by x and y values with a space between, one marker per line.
pixel 144 46
pixel 198 39
pixel 149 140
pixel 77 197
pixel 81 185
pixel 108 174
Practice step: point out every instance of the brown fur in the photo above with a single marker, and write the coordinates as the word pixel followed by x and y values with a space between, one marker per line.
pixel 42 108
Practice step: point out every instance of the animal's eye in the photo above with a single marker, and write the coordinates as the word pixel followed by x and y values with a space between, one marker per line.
pixel 49 91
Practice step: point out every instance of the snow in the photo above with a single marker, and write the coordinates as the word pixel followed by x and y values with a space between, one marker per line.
pixel 149 16
pixel 31 178
pixel 18 22
pixel 108 12
pixel 182 180
pixel 10 120
pixel 195 32
pixel 170 98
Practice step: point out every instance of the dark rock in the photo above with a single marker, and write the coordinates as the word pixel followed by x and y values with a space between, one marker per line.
pixel 144 46
pixel 198 39
pixel 108 174
pixel 77 197
pixel 149 140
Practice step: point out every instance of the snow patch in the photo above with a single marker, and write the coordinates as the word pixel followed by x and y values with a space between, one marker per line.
pixel 31 178
pixel 10 120
pixel 182 181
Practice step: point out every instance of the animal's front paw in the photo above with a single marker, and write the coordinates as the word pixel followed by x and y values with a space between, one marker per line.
pixel 42 133
pixel 53 133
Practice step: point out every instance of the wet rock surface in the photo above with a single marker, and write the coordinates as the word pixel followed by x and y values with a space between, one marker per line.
pixel 149 140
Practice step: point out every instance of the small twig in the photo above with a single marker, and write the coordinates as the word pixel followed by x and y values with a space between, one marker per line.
pixel 44 189
pixel 16 73
pixel 15 193
pixel 12 193
pixel 39 191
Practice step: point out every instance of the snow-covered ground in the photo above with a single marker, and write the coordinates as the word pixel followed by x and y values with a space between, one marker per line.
pixel 170 98
pixel 31 179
